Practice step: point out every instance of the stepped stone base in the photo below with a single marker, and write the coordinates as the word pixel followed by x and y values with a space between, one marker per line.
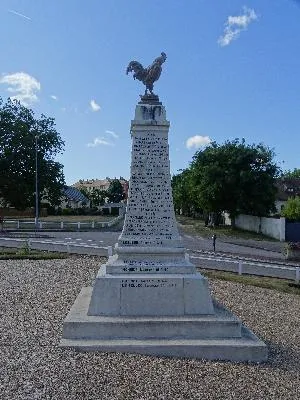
pixel 219 336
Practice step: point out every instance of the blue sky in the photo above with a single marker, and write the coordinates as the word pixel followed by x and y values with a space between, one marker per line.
pixel 233 71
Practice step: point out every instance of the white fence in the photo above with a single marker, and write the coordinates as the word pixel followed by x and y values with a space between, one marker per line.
pixel 59 225
pixel 56 246
pixel 206 261
pixel 289 272
pixel 272 227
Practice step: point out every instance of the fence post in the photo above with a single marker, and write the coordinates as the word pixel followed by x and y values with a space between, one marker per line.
pixel 297 275
pixel 61 224
pixel 18 224
pixel 78 226
pixel 282 229
pixel 240 272
pixel 109 251
pixel 93 224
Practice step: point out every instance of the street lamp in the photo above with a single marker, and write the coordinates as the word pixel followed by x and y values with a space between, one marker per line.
pixel 36 184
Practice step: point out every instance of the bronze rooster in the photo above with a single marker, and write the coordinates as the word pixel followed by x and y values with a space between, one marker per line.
pixel 147 75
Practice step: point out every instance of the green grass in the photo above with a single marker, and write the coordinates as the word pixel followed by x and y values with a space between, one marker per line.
pixel 280 285
pixel 24 253
pixel 78 218
pixel 53 222
pixel 197 227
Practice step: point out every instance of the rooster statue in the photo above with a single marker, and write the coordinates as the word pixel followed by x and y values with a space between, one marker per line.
pixel 147 75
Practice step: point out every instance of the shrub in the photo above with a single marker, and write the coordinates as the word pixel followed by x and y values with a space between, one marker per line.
pixel 292 209
pixel 115 211
pixel 67 211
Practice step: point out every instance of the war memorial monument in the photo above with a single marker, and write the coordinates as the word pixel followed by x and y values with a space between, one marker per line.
pixel 149 298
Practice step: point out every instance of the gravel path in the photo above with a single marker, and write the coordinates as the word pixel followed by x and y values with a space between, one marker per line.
pixel 35 297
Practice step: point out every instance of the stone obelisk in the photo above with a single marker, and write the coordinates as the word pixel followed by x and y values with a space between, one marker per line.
pixel 148 298
pixel 150 273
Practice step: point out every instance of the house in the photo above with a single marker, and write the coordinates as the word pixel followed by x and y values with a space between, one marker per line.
pixel 286 188
pixel 100 184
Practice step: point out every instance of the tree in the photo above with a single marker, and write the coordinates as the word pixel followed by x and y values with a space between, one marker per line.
pixel 85 192
pixel 115 191
pixel 236 178
pixel 184 196
pixel 291 209
pixel 292 174
pixel 98 196
pixel 19 133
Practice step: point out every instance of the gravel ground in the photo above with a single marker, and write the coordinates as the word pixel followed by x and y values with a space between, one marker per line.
pixel 35 297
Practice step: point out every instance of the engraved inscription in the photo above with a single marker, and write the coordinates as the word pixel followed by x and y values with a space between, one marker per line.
pixel 147 283
pixel 146 269
pixel 150 218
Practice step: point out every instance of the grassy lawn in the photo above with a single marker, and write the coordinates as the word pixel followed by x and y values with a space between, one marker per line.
pixel 196 227
pixel 53 222
pixel 24 253
pixel 280 285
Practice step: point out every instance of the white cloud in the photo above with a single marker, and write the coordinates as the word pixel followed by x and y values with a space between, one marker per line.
pixel 113 134
pixel 23 86
pixel 19 14
pixel 94 105
pixel 54 97
pixel 197 141
pixel 235 25
pixel 99 142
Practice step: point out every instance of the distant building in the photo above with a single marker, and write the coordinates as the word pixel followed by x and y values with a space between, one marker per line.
pixel 286 188
pixel 73 198
pixel 101 184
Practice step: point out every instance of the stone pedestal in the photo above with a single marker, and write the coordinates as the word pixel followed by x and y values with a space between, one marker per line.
pixel 148 298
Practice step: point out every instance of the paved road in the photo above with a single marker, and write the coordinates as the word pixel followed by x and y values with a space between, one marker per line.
pixel 239 247
pixel 243 257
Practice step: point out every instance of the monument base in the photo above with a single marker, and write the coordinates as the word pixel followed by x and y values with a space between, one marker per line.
pixel 154 294
pixel 219 336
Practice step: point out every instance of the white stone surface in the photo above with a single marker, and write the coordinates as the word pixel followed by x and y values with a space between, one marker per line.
pixel 216 337
pixel 150 294
pixel 150 219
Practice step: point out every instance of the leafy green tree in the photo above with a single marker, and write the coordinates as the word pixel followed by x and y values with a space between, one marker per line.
pixel 292 174
pixel 98 196
pixel 85 192
pixel 235 177
pixel 115 191
pixel 19 133
pixel 291 209
pixel 184 195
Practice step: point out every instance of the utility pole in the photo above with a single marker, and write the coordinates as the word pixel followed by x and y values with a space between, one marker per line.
pixel 36 184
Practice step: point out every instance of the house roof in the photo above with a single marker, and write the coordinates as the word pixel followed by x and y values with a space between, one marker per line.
pixel 288 187
pixel 74 194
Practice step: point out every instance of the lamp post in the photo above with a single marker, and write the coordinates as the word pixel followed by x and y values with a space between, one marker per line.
pixel 36 184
